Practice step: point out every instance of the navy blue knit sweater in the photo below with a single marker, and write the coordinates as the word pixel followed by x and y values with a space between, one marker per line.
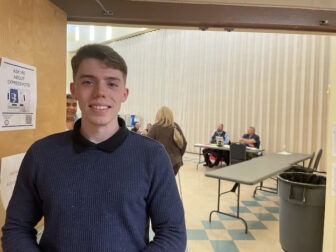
pixel 95 197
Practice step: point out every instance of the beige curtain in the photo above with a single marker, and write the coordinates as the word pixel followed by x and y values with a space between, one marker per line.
pixel 275 82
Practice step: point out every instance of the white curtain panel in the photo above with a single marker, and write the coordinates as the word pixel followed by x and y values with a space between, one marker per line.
pixel 275 82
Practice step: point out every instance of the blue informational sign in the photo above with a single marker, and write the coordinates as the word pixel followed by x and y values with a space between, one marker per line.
pixel 132 120
pixel 13 96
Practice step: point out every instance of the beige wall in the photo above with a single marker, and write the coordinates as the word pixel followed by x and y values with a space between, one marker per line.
pixel 330 216
pixel 34 32
pixel 275 82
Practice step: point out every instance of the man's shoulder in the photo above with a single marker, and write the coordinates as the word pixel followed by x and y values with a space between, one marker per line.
pixel 256 136
pixel 141 141
pixel 143 147
pixel 54 140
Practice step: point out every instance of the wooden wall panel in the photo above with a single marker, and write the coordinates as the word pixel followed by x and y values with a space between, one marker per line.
pixel 34 32
pixel 309 4
pixel 162 14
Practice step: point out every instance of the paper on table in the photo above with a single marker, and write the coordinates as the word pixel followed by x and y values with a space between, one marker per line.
pixel 251 148
pixel 284 153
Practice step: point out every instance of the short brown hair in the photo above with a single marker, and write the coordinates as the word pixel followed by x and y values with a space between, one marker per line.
pixel 101 52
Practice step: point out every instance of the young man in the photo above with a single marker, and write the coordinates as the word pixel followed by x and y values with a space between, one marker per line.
pixel 250 139
pixel 71 110
pixel 97 186
pixel 218 154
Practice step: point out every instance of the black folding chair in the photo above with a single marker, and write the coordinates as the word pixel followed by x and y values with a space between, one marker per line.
pixel 237 155
pixel 309 169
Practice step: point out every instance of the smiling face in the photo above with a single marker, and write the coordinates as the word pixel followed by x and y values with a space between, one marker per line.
pixel 71 109
pixel 100 90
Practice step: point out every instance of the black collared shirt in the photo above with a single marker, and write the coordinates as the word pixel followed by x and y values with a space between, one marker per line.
pixel 81 143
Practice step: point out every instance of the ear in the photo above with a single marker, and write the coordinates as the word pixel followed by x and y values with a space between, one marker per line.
pixel 73 90
pixel 125 95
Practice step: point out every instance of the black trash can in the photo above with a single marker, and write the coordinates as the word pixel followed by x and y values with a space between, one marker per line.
pixel 302 200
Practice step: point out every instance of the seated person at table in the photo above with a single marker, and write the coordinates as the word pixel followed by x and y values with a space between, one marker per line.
pixel 218 154
pixel 250 139
pixel 145 131
pixel 136 127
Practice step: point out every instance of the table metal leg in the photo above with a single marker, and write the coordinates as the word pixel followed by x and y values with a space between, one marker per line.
pixel 237 185
pixel 199 157
pixel 263 188
pixel 218 200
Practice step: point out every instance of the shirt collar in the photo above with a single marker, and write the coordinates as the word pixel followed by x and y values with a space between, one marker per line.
pixel 81 143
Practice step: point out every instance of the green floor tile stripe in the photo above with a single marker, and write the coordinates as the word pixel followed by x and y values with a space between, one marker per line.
pixel 197 235
pixel 255 225
pixel 250 203
pixel 213 225
pixel 239 235
pixel 224 246
pixel 265 217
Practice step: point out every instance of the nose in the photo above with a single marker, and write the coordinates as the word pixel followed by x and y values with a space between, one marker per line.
pixel 100 89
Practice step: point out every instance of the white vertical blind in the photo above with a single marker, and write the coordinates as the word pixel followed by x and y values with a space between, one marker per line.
pixel 275 82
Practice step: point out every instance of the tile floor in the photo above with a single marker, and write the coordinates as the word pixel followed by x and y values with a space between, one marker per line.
pixel 226 234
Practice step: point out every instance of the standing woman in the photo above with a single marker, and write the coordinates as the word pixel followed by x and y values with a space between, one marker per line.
pixel 169 133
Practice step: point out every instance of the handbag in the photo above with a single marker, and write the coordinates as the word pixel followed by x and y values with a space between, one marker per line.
pixel 178 138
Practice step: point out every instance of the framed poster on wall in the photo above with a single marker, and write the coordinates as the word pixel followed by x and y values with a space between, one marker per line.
pixel 17 95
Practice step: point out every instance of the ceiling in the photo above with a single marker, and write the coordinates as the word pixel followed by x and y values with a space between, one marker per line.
pixel 79 35
pixel 308 4
pixel 313 15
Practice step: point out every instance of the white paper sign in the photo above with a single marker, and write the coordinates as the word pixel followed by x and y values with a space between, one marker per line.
pixel 17 96
pixel 9 169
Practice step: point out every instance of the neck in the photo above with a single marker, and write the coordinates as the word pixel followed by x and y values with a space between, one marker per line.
pixel 70 124
pixel 97 133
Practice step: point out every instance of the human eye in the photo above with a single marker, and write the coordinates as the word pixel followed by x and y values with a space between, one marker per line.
pixel 112 85
pixel 87 82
